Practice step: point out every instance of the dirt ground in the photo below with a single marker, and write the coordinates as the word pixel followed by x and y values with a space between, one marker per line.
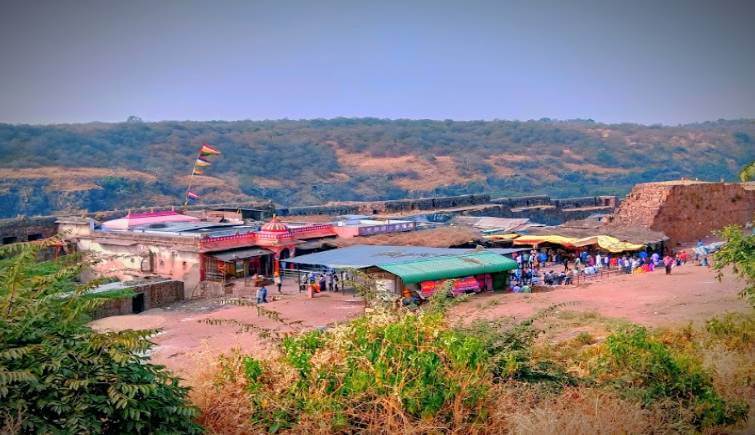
pixel 690 293
pixel 194 328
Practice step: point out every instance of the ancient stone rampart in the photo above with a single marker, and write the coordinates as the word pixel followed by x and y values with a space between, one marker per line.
pixel 686 210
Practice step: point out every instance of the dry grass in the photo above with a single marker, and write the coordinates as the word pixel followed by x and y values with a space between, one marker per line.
pixel 578 411
pixel 427 175
pixel 219 391
pixel 72 179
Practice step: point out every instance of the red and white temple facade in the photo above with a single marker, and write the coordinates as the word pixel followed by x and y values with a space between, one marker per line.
pixel 165 244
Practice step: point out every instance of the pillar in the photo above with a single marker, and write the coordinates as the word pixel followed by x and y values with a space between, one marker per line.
pixel 202 267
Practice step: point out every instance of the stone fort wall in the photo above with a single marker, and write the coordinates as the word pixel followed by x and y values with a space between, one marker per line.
pixel 686 210
pixel 539 208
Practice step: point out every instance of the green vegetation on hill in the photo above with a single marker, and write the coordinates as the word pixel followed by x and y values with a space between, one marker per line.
pixel 313 161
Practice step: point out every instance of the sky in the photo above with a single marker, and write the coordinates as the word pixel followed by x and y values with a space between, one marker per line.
pixel 670 61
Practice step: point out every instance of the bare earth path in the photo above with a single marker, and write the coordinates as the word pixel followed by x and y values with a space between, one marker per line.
pixel 185 334
pixel 690 293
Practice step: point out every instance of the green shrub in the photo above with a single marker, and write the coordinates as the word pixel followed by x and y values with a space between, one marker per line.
pixel 430 370
pixel 59 376
pixel 642 366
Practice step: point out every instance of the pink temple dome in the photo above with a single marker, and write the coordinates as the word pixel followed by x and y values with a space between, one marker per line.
pixel 275 226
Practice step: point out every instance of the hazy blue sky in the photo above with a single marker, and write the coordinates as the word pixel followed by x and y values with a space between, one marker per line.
pixel 641 61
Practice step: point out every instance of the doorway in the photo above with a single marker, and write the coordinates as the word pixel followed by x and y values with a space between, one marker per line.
pixel 137 303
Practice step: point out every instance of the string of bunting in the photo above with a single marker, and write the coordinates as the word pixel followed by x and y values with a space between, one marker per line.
pixel 202 161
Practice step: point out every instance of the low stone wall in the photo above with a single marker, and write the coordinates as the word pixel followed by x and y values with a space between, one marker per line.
pixel 25 229
pixel 161 293
pixel 523 201
pixel 538 208
pixel 328 210
pixel 156 294
pixel 114 307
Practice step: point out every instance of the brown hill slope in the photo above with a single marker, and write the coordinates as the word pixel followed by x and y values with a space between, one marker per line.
pixel 97 166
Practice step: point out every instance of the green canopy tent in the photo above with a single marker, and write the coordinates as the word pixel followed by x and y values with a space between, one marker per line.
pixel 448 267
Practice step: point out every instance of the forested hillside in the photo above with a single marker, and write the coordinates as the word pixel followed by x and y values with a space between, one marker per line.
pixel 98 166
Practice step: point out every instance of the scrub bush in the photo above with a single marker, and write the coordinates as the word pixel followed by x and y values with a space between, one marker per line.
pixel 386 371
pixel 411 364
pixel 643 367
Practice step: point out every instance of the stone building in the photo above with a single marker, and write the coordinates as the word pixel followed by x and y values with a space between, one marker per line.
pixel 198 253
pixel 686 210
pixel 148 294
pixel 26 229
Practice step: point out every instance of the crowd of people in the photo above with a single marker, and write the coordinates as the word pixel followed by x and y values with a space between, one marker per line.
pixel 536 267
pixel 319 282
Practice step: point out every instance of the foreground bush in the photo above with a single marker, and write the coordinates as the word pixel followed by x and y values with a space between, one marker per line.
pixel 399 372
pixel 384 372
pixel 59 376
pixel 640 364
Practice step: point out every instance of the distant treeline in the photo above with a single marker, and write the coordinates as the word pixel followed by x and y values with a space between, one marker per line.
pixel 301 162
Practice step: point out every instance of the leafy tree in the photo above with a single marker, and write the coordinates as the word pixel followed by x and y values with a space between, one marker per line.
pixel 739 253
pixel 748 172
pixel 59 376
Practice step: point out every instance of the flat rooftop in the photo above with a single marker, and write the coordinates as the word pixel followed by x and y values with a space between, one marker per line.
pixel 193 229
pixel 361 256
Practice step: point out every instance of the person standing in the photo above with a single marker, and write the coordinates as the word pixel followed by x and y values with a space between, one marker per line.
pixel 668 262
pixel 331 280
pixel 323 283
pixel 262 295
pixel 278 281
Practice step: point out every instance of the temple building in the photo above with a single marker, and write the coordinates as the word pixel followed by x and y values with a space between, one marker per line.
pixel 202 253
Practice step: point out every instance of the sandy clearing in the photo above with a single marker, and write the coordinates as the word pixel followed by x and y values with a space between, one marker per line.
pixel 185 333
pixel 690 294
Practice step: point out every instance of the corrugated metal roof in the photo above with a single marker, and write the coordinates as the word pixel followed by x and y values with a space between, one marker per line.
pixel 452 266
pixel 361 256
pixel 493 223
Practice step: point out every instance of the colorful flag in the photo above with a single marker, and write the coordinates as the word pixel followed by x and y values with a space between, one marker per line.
pixel 197 171
pixel 192 195
pixel 202 162
pixel 207 150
